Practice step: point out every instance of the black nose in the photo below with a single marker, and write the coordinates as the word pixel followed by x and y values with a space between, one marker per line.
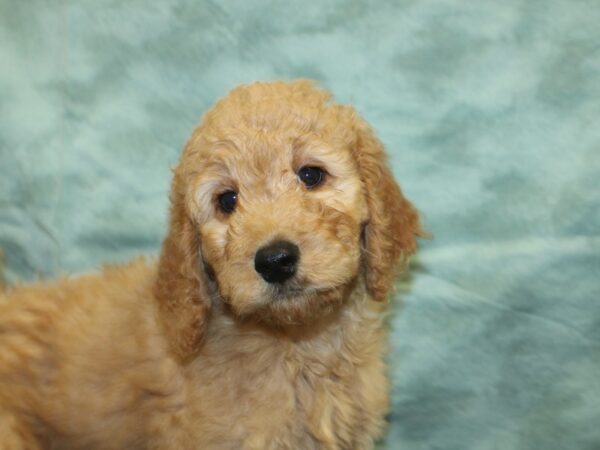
pixel 277 261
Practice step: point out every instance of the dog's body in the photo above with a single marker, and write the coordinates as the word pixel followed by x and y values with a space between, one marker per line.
pixel 93 369
pixel 204 350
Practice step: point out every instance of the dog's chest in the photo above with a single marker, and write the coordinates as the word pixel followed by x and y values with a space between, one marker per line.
pixel 255 391
pixel 254 396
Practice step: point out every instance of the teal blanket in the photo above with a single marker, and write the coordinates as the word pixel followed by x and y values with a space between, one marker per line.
pixel 490 111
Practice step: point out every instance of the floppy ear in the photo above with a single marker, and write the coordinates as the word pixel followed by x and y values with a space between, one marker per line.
pixel 180 290
pixel 393 224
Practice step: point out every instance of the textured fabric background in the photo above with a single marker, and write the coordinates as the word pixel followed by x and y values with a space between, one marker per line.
pixel 490 111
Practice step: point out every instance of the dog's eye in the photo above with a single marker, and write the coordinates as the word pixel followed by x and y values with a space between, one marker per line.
pixel 311 176
pixel 227 201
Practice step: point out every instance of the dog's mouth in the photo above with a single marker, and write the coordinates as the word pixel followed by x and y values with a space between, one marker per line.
pixel 287 291
pixel 297 289
pixel 296 302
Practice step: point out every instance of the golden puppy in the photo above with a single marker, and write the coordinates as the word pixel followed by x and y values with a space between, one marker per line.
pixel 260 326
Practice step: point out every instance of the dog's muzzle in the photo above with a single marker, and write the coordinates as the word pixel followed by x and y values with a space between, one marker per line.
pixel 277 261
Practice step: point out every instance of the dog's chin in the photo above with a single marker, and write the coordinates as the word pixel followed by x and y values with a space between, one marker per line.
pixel 292 306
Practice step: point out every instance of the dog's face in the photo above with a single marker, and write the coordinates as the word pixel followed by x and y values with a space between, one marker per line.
pixel 279 205
pixel 285 201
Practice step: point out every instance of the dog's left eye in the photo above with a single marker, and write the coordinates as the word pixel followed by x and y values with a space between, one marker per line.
pixel 311 176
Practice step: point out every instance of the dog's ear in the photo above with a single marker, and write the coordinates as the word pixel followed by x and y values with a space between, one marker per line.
pixel 180 289
pixel 393 225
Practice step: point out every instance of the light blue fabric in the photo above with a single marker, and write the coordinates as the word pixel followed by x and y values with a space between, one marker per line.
pixel 490 111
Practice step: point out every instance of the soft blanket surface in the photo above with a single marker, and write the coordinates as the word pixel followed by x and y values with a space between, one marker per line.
pixel 490 112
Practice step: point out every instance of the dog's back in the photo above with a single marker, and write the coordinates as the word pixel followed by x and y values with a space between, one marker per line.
pixel 77 356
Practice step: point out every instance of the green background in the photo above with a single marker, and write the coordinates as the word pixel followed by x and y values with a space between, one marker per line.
pixel 490 111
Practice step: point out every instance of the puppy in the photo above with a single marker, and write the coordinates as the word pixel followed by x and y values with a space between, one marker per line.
pixel 260 326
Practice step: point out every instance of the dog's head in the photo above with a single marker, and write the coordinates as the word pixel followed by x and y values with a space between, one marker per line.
pixel 284 201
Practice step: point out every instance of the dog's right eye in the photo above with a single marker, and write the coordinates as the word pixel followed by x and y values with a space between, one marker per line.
pixel 227 201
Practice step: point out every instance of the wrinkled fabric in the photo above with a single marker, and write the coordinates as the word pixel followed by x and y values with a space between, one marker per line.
pixel 490 112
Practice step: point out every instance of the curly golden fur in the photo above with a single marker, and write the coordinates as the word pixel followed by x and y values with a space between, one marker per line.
pixel 197 351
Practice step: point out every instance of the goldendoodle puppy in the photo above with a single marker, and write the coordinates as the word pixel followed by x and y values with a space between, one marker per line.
pixel 260 327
